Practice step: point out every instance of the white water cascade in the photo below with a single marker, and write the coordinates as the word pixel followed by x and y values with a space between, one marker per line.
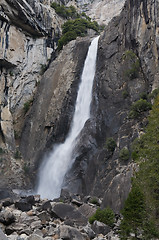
pixel 53 170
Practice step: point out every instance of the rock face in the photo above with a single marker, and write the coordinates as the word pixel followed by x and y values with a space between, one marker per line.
pixel 96 171
pixel 52 111
pixel 28 33
pixel 28 37
pixel 130 39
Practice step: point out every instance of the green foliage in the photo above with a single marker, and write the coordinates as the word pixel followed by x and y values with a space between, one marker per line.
pixel 133 213
pixel 43 69
pixel 27 106
pixel 139 107
pixel 106 216
pixel 125 94
pixel 94 201
pixel 146 180
pixel 124 154
pixel 110 145
pixel 2 151
pixel 133 70
pixel 73 28
pixel 65 12
pixel 26 168
pixel 154 93
pixel 143 96
pixel 17 155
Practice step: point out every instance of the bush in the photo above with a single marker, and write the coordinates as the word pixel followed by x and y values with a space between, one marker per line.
pixel 139 107
pixel 65 12
pixel 73 28
pixel 143 96
pixel 154 93
pixel 133 70
pixel 124 154
pixel 27 106
pixel 26 168
pixel 125 94
pixel 106 216
pixel 2 151
pixel 94 201
pixel 110 145
pixel 17 155
pixel 43 69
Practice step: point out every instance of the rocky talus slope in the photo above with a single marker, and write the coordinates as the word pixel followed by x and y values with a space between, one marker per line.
pixel 30 218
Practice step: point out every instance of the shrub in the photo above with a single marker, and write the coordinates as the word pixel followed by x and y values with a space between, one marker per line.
pixel 73 28
pixel 139 107
pixel 125 94
pixel 26 168
pixel 43 69
pixel 154 93
pixel 94 201
pixel 106 216
pixel 133 70
pixel 65 12
pixel 27 106
pixel 110 145
pixel 2 151
pixel 124 154
pixel 143 96
pixel 17 154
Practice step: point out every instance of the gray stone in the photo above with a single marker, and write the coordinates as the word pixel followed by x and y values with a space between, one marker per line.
pixel 2 235
pixel 44 217
pixel 66 211
pixel 99 227
pixel 87 229
pixel 87 210
pixel 35 237
pixel 7 217
pixel 70 233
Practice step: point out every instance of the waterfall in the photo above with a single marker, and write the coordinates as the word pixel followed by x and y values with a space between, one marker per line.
pixel 60 160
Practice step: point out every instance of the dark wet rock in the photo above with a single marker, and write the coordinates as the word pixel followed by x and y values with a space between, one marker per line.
pixel 7 202
pixel 23 205
pixel 46 205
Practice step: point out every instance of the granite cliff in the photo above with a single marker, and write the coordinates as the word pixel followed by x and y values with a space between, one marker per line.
pixel 127 68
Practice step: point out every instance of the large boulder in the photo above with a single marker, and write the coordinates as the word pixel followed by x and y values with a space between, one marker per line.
pixel 70 233
pixel 68 212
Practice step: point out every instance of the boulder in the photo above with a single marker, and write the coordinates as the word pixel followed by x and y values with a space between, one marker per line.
pixel 44 217
pixel 65 211
pixel 70 233
pixel 7 202
pixel 35 237
pixel 87 229
pixel 87 210
pixel 7 217
pixel 2 235
pixel 46 205
pixel 99 227
pixel 23 205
